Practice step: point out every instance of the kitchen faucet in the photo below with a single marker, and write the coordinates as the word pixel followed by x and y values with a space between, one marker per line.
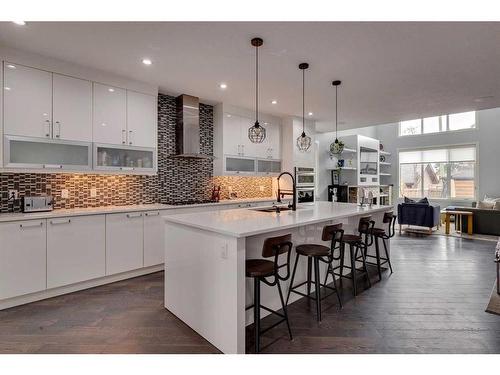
pixel 282 193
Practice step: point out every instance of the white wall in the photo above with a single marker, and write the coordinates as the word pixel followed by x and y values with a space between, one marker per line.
pixel 486 136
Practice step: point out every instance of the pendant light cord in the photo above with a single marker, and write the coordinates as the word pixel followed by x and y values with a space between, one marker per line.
pixel 336 113
pixel 256 85
pixel 303 102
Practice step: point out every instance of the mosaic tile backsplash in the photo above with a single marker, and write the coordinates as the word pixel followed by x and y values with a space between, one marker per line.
pixel 177 180
pixel 244 187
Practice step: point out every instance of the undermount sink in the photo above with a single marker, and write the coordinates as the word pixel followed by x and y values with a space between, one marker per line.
pixel 272 209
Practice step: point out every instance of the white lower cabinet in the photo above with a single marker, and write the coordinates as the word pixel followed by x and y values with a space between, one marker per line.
pixel 124 242
pixel 154 248
pixel 75 249
pixel 22 258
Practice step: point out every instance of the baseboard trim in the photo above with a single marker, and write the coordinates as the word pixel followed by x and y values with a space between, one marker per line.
pixel 49 293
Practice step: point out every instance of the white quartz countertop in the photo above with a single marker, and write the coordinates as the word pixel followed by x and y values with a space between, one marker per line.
pixel 248 222
pixel 18 216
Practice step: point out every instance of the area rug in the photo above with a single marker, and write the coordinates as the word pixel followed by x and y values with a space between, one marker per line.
pixel 494 305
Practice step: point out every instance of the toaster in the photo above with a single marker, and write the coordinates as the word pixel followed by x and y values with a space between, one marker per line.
pixel 37 204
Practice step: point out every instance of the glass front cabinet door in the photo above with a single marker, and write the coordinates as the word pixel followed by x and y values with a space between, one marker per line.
pixel 124 158
pixel 46 154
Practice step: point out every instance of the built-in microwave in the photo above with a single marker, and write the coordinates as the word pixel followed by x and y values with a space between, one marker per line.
pixel 305 194
pixel 305 176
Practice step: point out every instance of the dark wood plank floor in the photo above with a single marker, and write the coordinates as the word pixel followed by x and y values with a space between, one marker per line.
pixel 433 303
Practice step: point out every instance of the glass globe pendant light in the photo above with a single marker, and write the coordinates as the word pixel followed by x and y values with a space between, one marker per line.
pixel 338 146
pixel 257 133
pixel 303 141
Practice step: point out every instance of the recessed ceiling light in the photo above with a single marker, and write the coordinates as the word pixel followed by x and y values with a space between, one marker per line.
pixel 310 113
pixel 7 88
pixel 228 115
pixel 147 61
pixel 103 124
pixel 483 98
pixel 20 23
pixel 111 89
pixel 10 66
pixel 266 123
pixel 223 86
pixel 274 101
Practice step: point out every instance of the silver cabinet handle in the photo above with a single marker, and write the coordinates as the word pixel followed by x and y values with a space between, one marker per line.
pixel 152 213
pixel 47 124
pixel 53 166
pixel 124 135
pixel 239 151
pixel 133 216
pixel 34 225
pixel 58 135
pixel 130 137
pixel 242 150
pixel 58 222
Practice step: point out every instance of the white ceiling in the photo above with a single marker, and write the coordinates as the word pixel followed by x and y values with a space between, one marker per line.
pixel 390 71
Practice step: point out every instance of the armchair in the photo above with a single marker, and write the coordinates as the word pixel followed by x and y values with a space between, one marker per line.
pixel 419 214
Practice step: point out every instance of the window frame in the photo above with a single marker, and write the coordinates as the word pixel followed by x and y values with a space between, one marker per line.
pixel 440 125
pixel 436 147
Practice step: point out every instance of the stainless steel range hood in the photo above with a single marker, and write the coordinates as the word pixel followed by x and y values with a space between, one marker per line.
pixel 187 128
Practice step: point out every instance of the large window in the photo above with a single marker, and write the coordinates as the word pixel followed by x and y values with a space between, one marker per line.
pixel 438 173
pixel 438 124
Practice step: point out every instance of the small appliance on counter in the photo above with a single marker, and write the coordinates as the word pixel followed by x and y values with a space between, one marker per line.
pixel 215 194
pixel 37 204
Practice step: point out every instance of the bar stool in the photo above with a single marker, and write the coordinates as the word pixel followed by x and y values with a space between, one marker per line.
pixel 357 246
pixel 390 220
pixel 259 270
pixel 318 253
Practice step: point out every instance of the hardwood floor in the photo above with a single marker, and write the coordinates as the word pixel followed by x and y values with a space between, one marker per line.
pixel 433 303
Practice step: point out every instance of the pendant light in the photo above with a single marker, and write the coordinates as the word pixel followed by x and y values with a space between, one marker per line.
pixel 257 133
pixel 303 141
pixel 338 146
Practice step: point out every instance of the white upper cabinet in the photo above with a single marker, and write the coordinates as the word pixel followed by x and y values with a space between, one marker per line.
pixel 232 135
pixel 27 101
pixel 72 106
pixel 110 114
pixel 141 119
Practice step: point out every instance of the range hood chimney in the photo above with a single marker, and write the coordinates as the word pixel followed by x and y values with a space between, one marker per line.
pixel 187 128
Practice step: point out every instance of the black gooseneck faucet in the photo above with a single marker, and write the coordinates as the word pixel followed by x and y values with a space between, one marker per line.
pixel 282 193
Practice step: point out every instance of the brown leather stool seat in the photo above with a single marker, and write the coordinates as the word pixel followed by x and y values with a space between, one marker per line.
pixel 351 238
pixel 259 268
pixel 312 250
pixel 378 231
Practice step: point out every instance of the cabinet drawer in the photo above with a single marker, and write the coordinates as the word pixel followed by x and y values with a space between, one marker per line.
pixel 22 258
pixel 75 249
pixel 124 242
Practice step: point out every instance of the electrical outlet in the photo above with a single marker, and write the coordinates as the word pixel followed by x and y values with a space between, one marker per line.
pixel 64 194
pixel 13 194
pixel 93 193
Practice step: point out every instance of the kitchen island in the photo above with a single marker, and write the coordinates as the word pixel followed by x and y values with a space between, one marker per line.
pixel 205 253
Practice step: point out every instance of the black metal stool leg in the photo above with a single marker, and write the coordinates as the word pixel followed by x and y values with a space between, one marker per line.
pixel 335 285
pixel 309 271
pixel 285 310
pixel 317 286
pixel 342 254
pixel 366 269
pixel 256 312
pixel 353 268
pixel 377 254
pixel 387 254
pixel 293 276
